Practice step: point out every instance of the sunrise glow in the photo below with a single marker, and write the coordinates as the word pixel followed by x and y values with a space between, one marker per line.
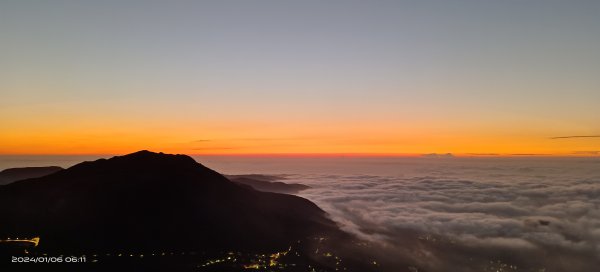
pixel 388 81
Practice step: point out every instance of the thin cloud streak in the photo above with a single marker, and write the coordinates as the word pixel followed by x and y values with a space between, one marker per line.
pixel 576 136
pixel 214 148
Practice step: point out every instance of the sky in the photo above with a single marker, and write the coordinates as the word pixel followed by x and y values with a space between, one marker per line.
pixel 300 77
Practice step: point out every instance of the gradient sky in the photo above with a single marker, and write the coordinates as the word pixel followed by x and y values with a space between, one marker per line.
pixel 237 77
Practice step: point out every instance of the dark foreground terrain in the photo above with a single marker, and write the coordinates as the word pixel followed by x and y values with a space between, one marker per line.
pixel 160 212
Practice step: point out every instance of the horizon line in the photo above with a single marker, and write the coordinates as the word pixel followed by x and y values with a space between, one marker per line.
pixel 321 155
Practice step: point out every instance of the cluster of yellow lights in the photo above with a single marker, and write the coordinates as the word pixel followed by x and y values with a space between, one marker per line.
pixel 273 260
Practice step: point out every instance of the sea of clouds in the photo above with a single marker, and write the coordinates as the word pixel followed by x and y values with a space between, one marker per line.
pixel 472 215
pixel 445 214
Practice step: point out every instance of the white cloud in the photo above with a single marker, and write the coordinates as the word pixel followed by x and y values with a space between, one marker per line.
pixel 539 218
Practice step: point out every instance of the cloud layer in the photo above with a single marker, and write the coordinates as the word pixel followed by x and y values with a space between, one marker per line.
pixel 524 216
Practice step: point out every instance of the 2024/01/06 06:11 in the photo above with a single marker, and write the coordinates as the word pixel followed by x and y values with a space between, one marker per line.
pixel 44 259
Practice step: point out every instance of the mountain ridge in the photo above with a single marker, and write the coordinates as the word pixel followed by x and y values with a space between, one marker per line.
pixel 146 199
pixel 10 175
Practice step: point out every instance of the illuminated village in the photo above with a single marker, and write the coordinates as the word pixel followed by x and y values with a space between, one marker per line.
pixel 291 259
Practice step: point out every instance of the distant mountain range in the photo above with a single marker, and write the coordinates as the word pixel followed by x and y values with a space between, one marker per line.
pixel 267 183
pixel 14 174
pixel 154 201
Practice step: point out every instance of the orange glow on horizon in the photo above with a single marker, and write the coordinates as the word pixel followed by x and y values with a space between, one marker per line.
pixel 310 147
pixel 322 138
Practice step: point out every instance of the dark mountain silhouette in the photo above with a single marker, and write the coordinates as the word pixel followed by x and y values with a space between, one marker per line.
pixel 267 183
pixel 148 201
pixel 436 155
pixel 13 174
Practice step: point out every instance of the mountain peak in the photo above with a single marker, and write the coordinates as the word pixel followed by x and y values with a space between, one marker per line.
pixel 146 154
pixel 144 160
